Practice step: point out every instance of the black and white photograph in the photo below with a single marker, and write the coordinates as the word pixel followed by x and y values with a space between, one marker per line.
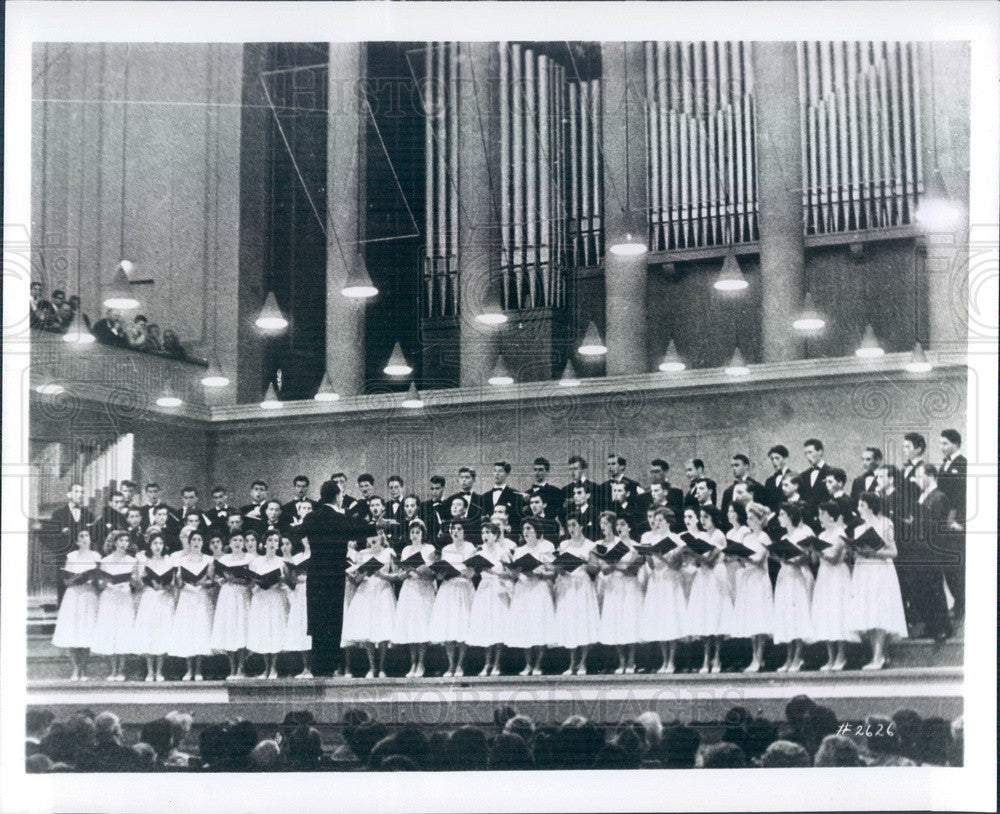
pixel 462 390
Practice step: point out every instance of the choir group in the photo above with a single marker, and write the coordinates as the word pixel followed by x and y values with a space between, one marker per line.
pixel 794 560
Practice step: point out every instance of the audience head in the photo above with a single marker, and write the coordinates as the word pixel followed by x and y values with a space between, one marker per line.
pixel 145 757
pixel 509 752
pixel 785 755
pixel 467 749
pixel 107 728
pixel 522 726
pixel 680 746
pixel 936 746
pixel 652 728
pixel 159 736
pixel 723 755
pixel 836 751
pixel 264 757
pixel 36 721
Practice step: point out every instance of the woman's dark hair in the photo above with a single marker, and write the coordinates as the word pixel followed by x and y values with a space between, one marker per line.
pixel 793 511
pixel 832 508
pixel 872 500
pixel 510 753
pixel 417 524
pixel 680 745
pixel 713 514
pixel 467 749
pixel 212 746
pixel 723 755
pixel 531 521
pixel 158 735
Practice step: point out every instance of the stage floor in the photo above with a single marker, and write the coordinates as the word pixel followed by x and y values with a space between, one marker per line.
pixel 454 701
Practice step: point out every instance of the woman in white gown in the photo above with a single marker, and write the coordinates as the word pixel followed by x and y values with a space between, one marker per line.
pixel 793 591
pixel 371 616
pixel 876 603
pixel 230 625
pixel 268 605
pixel 532 616
pixel 113 631
pixel 297 638
pixel 621 606
pixel 491 602
pixel 578 616
pixel 191 632
pixel 154 617
pixel 78 610
pixel 449 623
pixel 709 608
pixel 416 598
pixel 753 602
pixel 831 602
pixel 664 605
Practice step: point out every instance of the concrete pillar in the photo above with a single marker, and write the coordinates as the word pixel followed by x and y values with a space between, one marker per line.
pixel 779 197
pixel 944 108
pixel 625 169
pixel 478 220
pixel 346 122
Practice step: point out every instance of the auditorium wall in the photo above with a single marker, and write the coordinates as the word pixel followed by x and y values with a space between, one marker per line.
pixel 135 155
pixel 847 411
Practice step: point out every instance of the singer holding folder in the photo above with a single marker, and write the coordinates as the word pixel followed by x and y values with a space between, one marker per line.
pixel 154 616
pixel 532 616
pixel 268 605
pixel 115 609
pixel 78 610
pixel 191 637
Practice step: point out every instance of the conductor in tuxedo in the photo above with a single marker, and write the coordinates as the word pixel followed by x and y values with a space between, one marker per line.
pixel 329 529
pixel 812 482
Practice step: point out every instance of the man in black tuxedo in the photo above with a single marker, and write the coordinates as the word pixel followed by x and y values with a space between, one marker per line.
pixel 871 460
pixel 466 482
pixel 329 529
pixel 134 529
pixel 812 481
pixel 502 495
pixel 586 511
pixel 934 553
pixel 340 478
pixel 700 495
pixel 300 491
pixel 578 471
pixel 274 520
pixel 741 474
pixel 72 518
pixel 695 471
pixel 217 516
pixel 153 502
pixel 627 505
pixel 953 481
pixel 111 519
pixel 616 472
pixel 394 503
pixel 914 448
pixel 366 491
pixel 547 517
pixel 659 471
pixel 552 496
pixel 254 510
pixel 773 495
pixel 433 510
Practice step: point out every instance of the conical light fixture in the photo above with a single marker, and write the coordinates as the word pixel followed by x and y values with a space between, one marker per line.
pixel 413 400
pixel 326 391
pixel 500 375
pixel 632 240
pixel 119 294
pixel 672 362
pixel 936 211
pixel 48 386
pixel 569 378
pixel 808 319
pixel 490 310
pixel 918 360
pixel 592 344
pixel 168 398
pixel 78 333
pixel 271 401
pixel 737 366
pixel 869 347
pixel 397 364
pixel 270 317
pixel 730 275
pixel 214 377
pixel 359 285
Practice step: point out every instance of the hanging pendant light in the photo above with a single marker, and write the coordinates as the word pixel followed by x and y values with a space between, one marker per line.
pixel 672 362
pixel 359 285
pixel 569 378
pixel 397 364
pixel 119 294
pixel 808 319
pixel 271 401
pixel 412 401
pixel 500 375
pixel 592 344
pixel 918 362
pixel 869 347
pixel 48 386
pixel 214 377
pixel 631 242
pixel 270 317
pixel 936 211
pixel 737 366
pixel 731 275
pixel 78 333
pixel 326 391
pixel 168 398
